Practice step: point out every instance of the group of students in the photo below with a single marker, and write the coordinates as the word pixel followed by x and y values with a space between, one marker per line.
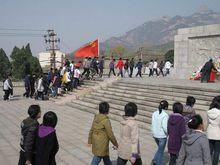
pixel 188 144
pixel 38 143
pixel 55 82
pixel 93 66
pixel 125 67
pixel 162 68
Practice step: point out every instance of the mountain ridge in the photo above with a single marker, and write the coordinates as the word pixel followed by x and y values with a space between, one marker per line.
pixel 160 31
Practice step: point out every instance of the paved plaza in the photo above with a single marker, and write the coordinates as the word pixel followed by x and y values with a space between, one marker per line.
pixel 72 130
pixel 73 126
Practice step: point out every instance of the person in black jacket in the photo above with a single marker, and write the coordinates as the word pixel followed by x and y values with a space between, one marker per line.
pixel 29 127
pixel 46 143
pixel 206 71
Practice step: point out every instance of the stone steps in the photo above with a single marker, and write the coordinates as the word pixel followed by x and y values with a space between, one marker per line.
pixel 178 89
pixel 115 114
pixel 146 96
pixel 159 93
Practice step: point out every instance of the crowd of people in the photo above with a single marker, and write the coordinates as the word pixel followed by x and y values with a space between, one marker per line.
pixel 188 143
pixel 68 77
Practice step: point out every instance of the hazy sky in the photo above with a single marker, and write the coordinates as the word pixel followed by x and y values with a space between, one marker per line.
pixel 80 21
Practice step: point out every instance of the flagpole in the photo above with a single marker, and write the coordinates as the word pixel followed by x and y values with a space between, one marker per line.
pixel 98 46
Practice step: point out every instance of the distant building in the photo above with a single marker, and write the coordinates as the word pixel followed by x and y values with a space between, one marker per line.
pixel 45 58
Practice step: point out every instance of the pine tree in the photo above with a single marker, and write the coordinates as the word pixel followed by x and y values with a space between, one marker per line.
pixel 5 66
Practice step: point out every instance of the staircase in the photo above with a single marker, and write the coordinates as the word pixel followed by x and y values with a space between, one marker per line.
pixel 147 96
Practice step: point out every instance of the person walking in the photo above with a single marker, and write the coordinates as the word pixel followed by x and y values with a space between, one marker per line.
pixel 6 88
pixel 29 127
pixel 112 68
pixel 131 67
pixel 126 67
pixel 76 77
pixel 86 67
pixel 213 130
pixel 161 67
pixel 159 131
pixel 176 129
pixel 40 88
pixel 167 67
pixel 155 66
pixel 32 85
pixel 27 85
pixel 139 67
pixel 46 141
pixel 150 66
pixel 120 66
pixel 129 147
pixel 100 134
pixel 188 110
pixel 101 66
pixel 195 146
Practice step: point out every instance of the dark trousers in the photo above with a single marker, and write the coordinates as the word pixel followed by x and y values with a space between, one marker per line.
pixel 111 70
pixel 11 91
pixel 32 91
pixel 121 161
pixel 87 71
pixel 27 92
pixel 215 150
pixel 100 72
pixel 173 158
pixel 40 95
pixel 76 83
pixel 155 70
pixel 161 71
pixel 120 72
pixel 151 72
pixel 131 71
pixel 7 93
pixel 139 73
pixel 22 159
pixel 205 76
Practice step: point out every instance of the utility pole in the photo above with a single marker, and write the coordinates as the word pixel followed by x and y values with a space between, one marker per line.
pixel 141 52
pixel 52 40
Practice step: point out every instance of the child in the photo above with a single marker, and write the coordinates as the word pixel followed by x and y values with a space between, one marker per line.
pixel 188 110
pixel 46 143
pixel 195 145
pixel 159 130
pixel 176 129
pixel 29 128
pixel 129 149
pixel 100 135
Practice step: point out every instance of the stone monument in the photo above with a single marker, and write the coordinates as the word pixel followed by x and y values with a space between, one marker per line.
pixel 193 47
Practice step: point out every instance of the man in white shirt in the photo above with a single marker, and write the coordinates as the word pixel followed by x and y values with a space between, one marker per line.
pixel 155 67
pixel 76 77
pixel 167 67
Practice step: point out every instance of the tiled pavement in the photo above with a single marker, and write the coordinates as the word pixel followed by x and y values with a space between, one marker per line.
pixel 72 131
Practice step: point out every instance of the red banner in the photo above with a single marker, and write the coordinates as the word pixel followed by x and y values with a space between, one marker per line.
pixel 89 50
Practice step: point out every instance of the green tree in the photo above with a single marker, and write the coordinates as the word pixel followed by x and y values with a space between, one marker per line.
pixel 24 63
pixel 169 56
pixel 5 66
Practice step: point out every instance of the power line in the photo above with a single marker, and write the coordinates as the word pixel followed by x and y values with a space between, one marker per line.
pixel 14 29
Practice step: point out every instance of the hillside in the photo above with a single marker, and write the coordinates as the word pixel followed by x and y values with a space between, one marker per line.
pixel 161 31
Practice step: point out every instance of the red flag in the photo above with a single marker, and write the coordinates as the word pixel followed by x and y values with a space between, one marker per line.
pixel 89 50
